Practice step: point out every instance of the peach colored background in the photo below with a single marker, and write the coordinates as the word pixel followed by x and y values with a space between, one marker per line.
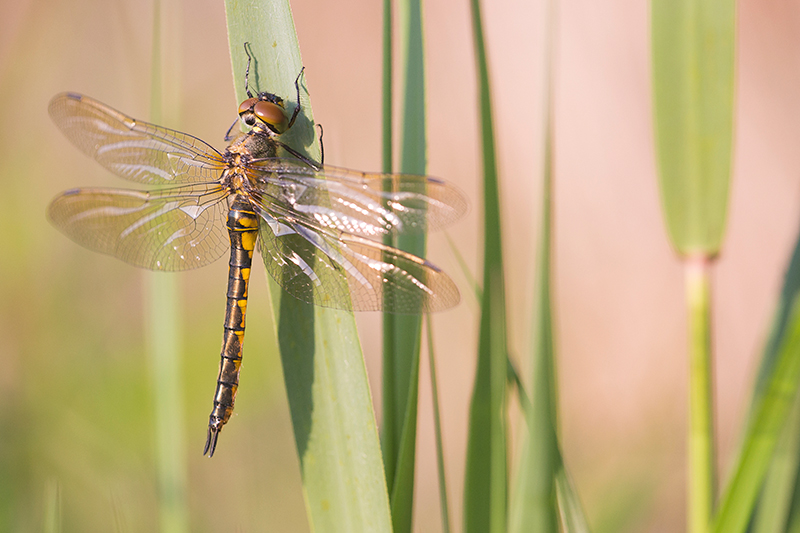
pixel 618 288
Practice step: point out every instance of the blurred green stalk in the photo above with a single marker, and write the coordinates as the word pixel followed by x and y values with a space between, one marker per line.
pixel 389 424
pixel 770 411
pixel 52 507
pixel 772 434
pixel 693 47
pixel 486 476
pixel 779 502
pixel 386 91
pixel 775 504
pixel 164 328
pixel 701 405
pixel 165 349
pixel 535 502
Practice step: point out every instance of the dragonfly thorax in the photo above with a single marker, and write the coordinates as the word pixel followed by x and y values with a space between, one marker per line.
pixel 253 145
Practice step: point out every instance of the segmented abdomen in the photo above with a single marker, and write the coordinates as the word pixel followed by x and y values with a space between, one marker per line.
pixel 243 230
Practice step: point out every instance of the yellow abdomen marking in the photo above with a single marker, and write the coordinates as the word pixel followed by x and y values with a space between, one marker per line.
pixel 249 240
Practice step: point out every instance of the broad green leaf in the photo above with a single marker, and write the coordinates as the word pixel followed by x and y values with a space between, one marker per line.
pixel 693 88
pixel 486 476
pixel 326 382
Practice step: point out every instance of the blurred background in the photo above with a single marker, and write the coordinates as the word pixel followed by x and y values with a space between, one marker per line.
pixel 75 400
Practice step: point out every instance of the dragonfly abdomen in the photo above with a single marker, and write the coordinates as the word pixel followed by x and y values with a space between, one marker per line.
pixel 243 230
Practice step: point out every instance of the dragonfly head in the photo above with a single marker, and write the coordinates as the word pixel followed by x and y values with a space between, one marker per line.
pixel 265 110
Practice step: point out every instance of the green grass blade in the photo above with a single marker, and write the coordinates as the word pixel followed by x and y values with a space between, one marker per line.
pixel 471 281
pixel 516 381
pixel 768 420
pixel 386 90
pixel 402 495
pixel 573 519
pixel 165 347
pixel 778 505
pixel 793 524
pixel 535 503
pixel 402 333
pixel 165 353
pixel 781 323
pixel 326 381
pixel 793 521
pixel 51 514
pixel 485 482
pixel 390 430
pixel 437 423
pixel 775 504
pixel 693 87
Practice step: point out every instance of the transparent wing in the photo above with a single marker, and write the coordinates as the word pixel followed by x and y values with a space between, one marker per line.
pixel 359 203
pixel 349 272
pixel 170 229
pixel 132 149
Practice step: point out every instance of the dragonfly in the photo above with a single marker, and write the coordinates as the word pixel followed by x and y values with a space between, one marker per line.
pixel 319 229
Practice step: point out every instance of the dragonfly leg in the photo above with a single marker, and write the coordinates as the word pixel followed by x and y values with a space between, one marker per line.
pixel 247 71
pixel 299 106
pixel 321 147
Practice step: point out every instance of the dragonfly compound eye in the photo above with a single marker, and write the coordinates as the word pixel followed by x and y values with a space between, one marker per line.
pixel 270 113
pixel 247 105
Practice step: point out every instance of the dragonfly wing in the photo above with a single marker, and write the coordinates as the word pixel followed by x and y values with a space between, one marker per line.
pixel 395 281
pixel 369 205
pixel 349 272
pixel 292 261
pixel 171 229
pixel 132 149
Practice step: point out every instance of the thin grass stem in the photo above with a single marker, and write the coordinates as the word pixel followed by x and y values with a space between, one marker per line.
pixel 164 327
pixel 437 423
pixel 701 432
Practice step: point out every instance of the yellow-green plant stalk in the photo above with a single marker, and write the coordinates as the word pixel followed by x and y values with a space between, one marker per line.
pixel 702 489
pixel 693 87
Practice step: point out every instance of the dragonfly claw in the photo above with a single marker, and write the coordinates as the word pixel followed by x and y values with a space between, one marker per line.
pixel 211 440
